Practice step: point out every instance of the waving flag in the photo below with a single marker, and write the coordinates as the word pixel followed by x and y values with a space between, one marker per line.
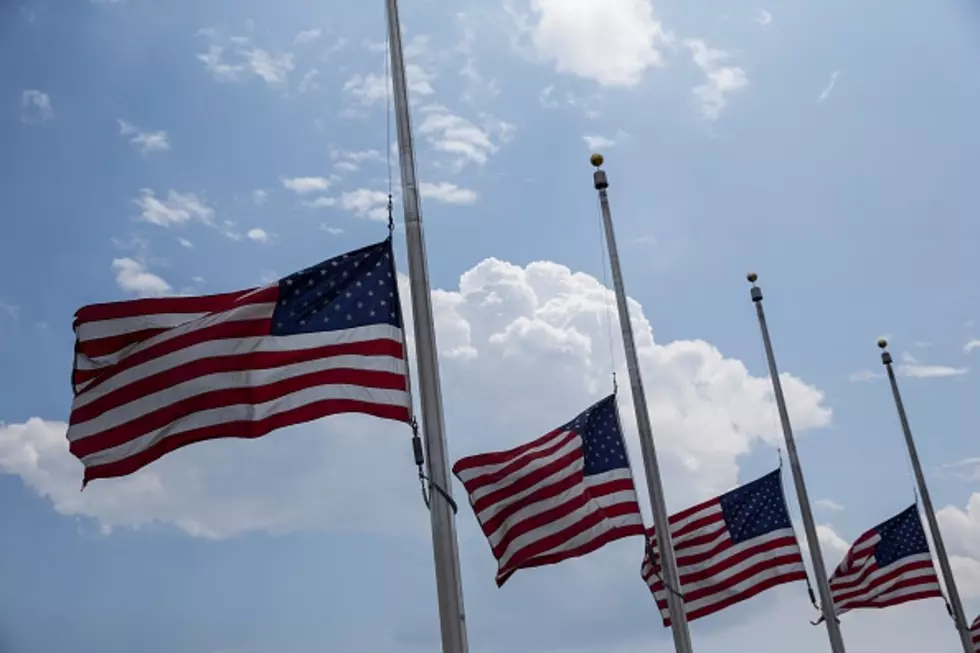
pixel 729 549
pixel 975 631
pixel 154 375
pixel 888 565
pixel 561 496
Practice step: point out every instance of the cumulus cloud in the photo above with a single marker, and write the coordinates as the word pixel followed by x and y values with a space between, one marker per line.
pixel 143 142
pixel 366 203
pixel 258 235
pixel 132 277
pixel 720 80
pixel 458 136
pixel 447 193
pixel 612 43
pixel 176 209
pixel 35 106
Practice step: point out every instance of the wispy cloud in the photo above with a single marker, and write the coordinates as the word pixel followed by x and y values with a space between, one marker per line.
pixel 763 17
pixel 829 88
pixel 347 161
pixel 133 277
pixel 865 375
pixel 304 185
pixel 307 36
pixel 259 195
pixel 243 58
pixel 447 193
pixel 320 202
pixel 177 208
pixel 459 137
pixel 185 243
pixel 144 142
pixel 10 310
pixel 721 80
pixel 967 469
pixel 828 504
pixel 366 203
pixel 35 106
pixel 970 346
pixel 911 367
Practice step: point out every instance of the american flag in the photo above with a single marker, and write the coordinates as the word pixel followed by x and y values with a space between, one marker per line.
pixel 729 549
pixel 975 631
pixel 888 565
pixel 561 496
pixel 154 375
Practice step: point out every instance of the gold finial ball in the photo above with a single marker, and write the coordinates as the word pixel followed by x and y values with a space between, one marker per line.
pixel 882 343
pixel 596 159
pixel 752 277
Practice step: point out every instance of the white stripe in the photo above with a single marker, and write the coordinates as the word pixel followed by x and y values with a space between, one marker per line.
pixel 735 590
pixel 245 379
pixel 251 412
pixel 467 475
pixel 120 325
pixel 844 584
pixel 508 499
pixel 533 467
pixel 235 346
pixel 872 586
pixel 241 313
pixel 711 509
pixel 926 584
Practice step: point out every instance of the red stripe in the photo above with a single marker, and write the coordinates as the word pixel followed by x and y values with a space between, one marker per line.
pixel 515 466
pixel 245 429
pixel 491 525
pixel 842 593
pixel 259 360
pixel 497 457
pixel 898 600
pixel 98 347
pixel 886 583
pixel 705 573
pixel 748 593
pixel 536 553
pixel 161 305
pixel 161 417
pixel 220 331
pixel 538 475
pixel 611 535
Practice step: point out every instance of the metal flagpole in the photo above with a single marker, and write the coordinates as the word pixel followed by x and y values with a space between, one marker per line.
pixel 445 547
pixel 959 616
pixel 819 570
pixel 675 604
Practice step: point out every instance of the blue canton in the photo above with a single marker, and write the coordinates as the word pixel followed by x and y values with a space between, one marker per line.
pixel 901 536
pixel 352 290
pixel 602 439
pixel 755 509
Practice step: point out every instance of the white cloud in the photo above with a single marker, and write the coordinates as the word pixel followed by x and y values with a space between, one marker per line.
pixel 455 135
pixel 597 142
pixel 259 196
pixel 304 185
pixel 365 203
pixel 375 88
pixel 828 504
pixel 612 43
pixel 178 208
pixel 333 231
pixel 132 277
pixel 229 65
pixel 185 243
pixel 832 545
pixel 970 346
pixel 308 36
pixel 347 161
pixel 829 88
pixel 320 202
pixel 913 368
pixel 763 17
pixel 221 70
pixel 144 142
pixel 35 106
pixel 721 80
pixel 866 375
pixel 257 235
pixel 531 338
pixel 447 193
pixel 308 82
pixel 967 469
pixel 274 69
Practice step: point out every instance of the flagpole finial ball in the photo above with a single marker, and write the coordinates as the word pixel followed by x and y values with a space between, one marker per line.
pixel 596 159
pixel 752 277
pixel 882 343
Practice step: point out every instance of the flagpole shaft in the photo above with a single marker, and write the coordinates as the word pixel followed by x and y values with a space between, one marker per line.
pixel 959 615
pixel 445 547
pixel 819 570
pixel 675 605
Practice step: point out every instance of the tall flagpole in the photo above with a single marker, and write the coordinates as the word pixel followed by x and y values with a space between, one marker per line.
pixel 959 616
pixel 819 570
pixel 445 548
pixel 675 604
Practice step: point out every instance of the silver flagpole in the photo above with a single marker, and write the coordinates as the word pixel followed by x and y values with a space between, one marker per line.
pixel 959 616
pixel 668 564
pixel 445 547
pixel 819 570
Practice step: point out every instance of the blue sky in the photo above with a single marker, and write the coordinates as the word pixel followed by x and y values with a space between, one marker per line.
pixel 182 147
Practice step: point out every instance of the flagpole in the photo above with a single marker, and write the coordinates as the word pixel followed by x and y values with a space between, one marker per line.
pixel 819 570
pixel 445 547
pixel 675 604
pixel 959 616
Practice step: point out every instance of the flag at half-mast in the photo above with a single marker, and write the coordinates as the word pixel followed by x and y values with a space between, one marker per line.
pixel 729 549
pixel 153 375
pixel 975 634
pixel 888 565
pixel 560 496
